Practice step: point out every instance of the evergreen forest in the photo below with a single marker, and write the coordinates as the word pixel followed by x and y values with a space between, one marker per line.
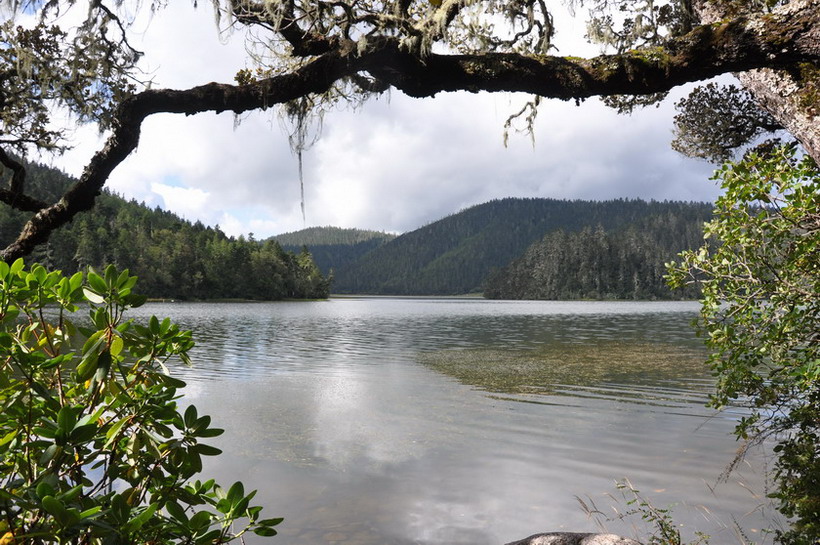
pixel 592 263
pixel 457 255
pixel 173 258
pixel 333 248
pixel 511 248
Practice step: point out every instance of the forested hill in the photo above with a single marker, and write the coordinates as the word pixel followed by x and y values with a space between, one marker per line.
pixel 455 255
pixel 627 263
pixel 173 258
pixel 333 248
pixel 326 236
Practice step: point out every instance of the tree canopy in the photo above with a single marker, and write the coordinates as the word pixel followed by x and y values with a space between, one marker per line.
pixel 309 54
pixel 760 318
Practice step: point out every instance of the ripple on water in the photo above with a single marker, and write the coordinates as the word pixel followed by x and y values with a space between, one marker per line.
pixel 416 421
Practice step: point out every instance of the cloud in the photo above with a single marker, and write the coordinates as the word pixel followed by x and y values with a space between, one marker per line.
pixel 185 201
pixel 412 162
pixel 394 164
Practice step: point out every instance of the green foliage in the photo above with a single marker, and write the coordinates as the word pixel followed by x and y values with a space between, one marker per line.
pixel 173 258
pixel 761 317
pixel 86 73
pixel 324 236
pixel 455 255
pixel 626 263
pixel 715 121
pixel 333 248
pixel 631 24
pixel 93 446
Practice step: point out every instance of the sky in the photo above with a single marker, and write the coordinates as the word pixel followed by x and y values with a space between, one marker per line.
pixel 394 164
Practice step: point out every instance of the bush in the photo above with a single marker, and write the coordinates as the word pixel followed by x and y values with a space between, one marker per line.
pixel 93 446
pixel 760 317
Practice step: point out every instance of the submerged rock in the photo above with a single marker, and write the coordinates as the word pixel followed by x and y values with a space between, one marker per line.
pixel 573 538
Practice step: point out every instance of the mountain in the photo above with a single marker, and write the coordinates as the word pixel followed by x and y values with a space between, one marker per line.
pixel 333 248
pixel 626 263
pixel 172 257
pixel 455 255
pixel 329 236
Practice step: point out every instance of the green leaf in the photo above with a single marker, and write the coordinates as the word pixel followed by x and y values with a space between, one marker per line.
pixel 11 314
pixel 56 508
pixel 90 513
pixel 116 345
pixel 97 283
pixel 71 494
pixel 66 419
pixel 210 432
pixel 171 382
pixel 44 489
pixel 165 326
pixel 190 416
pixel 153 325
pixel 128 284
pixel 39 273
pixel 54 362
pixel 206 450
pixel 17 266
pixel 177 512
pixel 83 434
pixel 94 342
pixel 200 423
pixel 93 296
pixel 87 366
pixel 76 281
pixel 137 522
pixel 122 279
pixel 135 300
pixel 210 537
pixel 113 431
pixel 103 366
pixel 9 436
pixel 52 505
pixel 224 506
pixel 200 520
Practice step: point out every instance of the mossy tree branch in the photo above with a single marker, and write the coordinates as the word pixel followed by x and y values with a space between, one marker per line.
pixel 737 45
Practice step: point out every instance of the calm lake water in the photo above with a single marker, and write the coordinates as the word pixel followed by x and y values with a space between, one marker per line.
pixel 454 421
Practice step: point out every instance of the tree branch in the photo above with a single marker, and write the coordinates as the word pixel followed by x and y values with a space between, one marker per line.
pixel 14 196
pixel 304 43
pixel 18 176
pixel 738 45
pixel 316 77
pixel 709 50
pixel 789 98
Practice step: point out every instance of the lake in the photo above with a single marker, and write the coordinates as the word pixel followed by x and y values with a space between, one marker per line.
pixel 454 421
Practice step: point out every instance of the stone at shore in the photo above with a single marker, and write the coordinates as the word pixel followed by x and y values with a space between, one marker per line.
pixel 572 538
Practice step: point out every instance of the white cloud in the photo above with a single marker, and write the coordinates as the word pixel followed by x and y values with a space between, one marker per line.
pixel 231 225
pixel 190 203
pixel 392 165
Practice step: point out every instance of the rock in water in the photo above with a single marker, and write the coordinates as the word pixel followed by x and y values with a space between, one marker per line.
pixel 573 538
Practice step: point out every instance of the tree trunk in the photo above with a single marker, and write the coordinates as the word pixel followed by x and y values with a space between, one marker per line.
pixel 794 103
pixel 792 98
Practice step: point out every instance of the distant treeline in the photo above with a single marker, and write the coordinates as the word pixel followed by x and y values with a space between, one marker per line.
pixel 334 248
pixel 173 258
pixel 458 254
pixel 330 236
pixel 595 264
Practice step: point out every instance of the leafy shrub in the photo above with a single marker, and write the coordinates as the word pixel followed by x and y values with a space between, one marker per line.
pixel 93 446
pixel 760 318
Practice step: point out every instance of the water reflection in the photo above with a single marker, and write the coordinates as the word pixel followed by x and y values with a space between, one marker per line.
pixel 366 421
